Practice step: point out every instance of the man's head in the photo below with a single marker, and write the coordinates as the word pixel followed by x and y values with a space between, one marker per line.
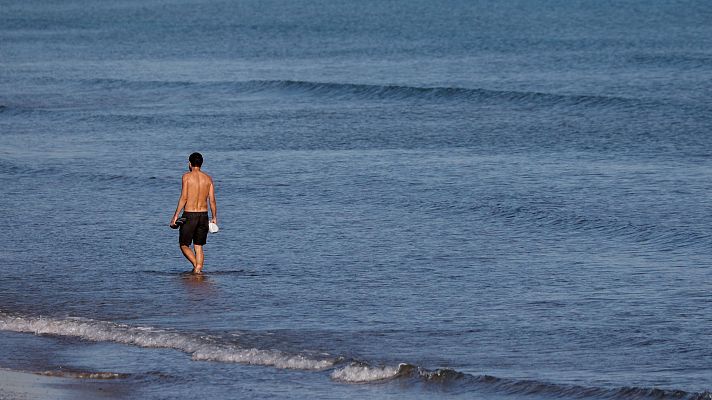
pixel 196 160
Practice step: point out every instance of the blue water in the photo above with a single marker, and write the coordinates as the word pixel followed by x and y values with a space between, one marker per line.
pixel 459 199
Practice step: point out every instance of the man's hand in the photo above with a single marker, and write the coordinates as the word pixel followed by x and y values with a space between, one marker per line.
pixel 214 220
pixel 173 221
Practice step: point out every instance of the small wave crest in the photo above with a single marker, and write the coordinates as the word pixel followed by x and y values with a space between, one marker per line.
pixel 201 348
pixel 356 91
pixel 357 372
pixel 362 373
pixel 562 218
pixel 273 358
pixel 57 172
pixel 534 387
pixel 85 374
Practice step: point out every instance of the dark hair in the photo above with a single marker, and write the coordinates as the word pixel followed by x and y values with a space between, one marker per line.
pixel 196 160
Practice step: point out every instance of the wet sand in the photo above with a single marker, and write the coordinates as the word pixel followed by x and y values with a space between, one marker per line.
pixel 17 385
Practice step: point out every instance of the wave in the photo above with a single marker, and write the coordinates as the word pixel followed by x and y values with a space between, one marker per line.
pixel 565 219
pixel 207 348
pixel 84 175
pixel 363 373
pixel 357 91
pixel 199 347
pixel 562 217
pixel 557 216
pixel 533 387
pixel 35 109
pixel 689 60
pixel 358 372
pixel 84 374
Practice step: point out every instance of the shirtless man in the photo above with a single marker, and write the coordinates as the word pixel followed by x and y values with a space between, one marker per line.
pixel 196 191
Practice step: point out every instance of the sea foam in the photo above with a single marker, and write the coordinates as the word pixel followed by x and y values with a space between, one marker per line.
pixel 360 373
pixel 199 347
pixel 205 348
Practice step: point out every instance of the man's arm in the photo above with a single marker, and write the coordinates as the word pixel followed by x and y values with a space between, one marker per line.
pixel 182 199
pixel 213 204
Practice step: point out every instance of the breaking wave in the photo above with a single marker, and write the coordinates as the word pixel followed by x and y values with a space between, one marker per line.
pixel 207 348
pixel 199 347
pixel 363 373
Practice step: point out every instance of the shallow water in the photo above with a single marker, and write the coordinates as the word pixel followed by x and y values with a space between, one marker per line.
pixel 459 200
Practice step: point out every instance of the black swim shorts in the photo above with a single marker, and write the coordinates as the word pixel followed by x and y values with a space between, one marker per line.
pixel 195 228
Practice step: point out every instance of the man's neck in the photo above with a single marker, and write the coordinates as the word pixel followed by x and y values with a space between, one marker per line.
pixel 194 169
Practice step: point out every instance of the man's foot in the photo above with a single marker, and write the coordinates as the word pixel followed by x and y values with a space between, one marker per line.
pixel 198 270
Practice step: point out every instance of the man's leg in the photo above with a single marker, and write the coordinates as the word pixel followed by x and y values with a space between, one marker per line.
pixel 199 258
pixel 188 253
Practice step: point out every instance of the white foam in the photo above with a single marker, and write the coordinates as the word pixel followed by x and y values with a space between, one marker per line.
pixel 199 348
pixel 358 373
pixel 260 357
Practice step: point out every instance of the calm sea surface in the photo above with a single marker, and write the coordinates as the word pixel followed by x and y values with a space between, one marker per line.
pixel 456 199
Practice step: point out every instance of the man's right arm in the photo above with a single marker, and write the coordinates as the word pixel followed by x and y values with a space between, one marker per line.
pixel 182 199
pixel 213 204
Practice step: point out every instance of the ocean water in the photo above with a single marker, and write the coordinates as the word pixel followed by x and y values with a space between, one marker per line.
pixel 457 199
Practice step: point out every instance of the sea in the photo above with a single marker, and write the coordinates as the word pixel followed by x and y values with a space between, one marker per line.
pixel 461 199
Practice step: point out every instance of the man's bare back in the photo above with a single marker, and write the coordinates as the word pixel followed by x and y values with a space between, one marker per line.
pixel 197 191
pixel 197 185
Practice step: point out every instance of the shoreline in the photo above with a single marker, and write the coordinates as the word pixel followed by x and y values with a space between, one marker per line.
pixel 26 385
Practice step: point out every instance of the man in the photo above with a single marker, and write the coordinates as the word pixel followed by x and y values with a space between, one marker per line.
pixel 197 189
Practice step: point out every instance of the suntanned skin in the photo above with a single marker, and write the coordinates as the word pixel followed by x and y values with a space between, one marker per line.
pixel 196 191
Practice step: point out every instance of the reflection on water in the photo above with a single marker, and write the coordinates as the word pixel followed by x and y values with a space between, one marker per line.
pixel 198 285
